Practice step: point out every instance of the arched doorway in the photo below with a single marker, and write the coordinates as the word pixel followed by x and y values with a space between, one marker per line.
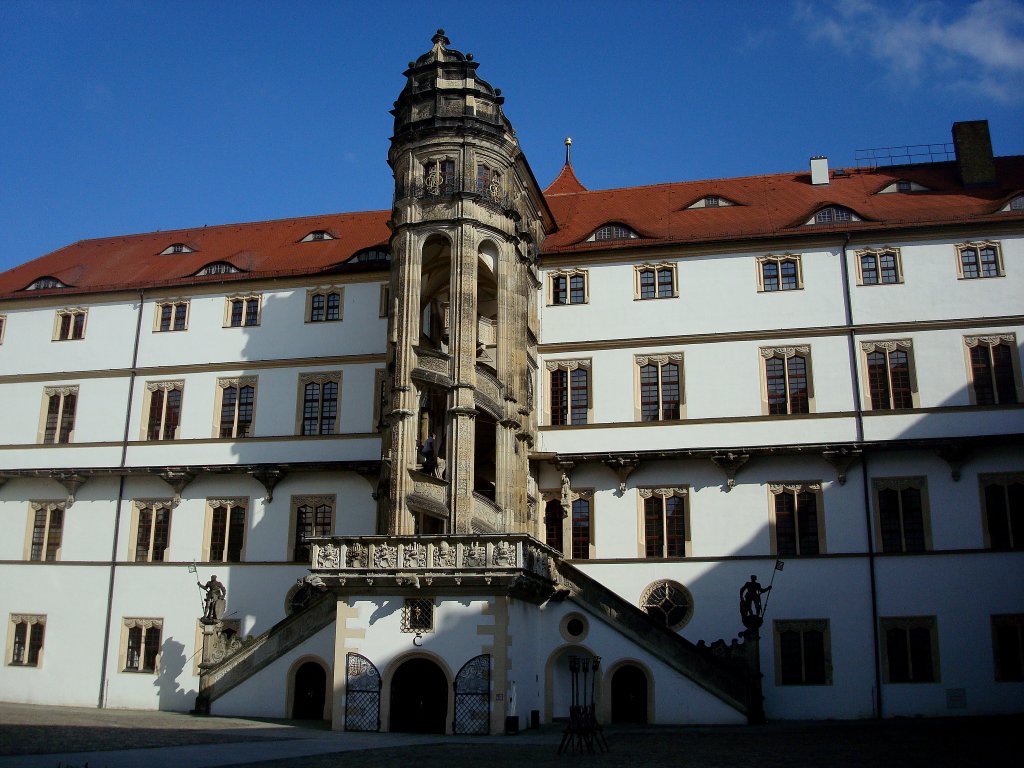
pixel 310 692
pixel 629 695
pixel 419 698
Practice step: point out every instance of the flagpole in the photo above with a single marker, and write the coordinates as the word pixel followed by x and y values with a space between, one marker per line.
pixel 779 564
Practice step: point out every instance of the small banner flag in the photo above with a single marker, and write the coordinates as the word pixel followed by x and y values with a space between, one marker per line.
pixel 779 565
pixel 192 568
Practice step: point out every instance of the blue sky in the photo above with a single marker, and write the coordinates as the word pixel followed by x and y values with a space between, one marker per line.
pixel 119 117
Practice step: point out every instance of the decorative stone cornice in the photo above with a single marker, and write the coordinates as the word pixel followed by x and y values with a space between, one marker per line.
pixel 165 386
pixel 990 340
pixel 663 492
pixel 889 345
pixel 566 365
pixel 767 352
pixel 674 357
pixel 794 486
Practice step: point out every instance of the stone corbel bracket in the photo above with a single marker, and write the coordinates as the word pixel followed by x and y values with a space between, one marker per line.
pixel 955 455
pixel 623 467
pixel 269 478
pixel 730 464
pixel 841 459
pixel 178 480
pixel 71 482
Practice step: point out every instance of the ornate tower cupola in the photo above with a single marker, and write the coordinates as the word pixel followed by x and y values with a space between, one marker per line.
pixel 467 223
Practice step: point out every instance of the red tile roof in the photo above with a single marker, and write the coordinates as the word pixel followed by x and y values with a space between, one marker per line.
pixel 765 206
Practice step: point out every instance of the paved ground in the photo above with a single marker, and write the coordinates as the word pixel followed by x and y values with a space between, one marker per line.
pixel 73 738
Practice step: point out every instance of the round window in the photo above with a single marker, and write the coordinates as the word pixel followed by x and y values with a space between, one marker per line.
pixel 668 602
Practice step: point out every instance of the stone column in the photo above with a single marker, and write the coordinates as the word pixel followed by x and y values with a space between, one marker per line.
pixel 462 400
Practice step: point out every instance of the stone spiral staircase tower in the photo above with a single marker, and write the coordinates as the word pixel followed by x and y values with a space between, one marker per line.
pixel 467 223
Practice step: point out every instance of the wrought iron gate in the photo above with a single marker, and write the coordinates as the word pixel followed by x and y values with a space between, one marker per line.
pixel 362 694
pixel 472 696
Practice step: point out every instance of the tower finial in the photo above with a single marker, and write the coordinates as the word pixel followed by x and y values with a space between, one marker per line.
pixel 568 145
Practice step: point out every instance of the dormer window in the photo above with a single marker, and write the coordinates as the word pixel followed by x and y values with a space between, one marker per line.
pixel 176 248
pixel 317 234
pixel 42 283
pixel 371 256
pixel 903 186
pixel 1017 204
pixel 218 268
pixel 834 214
pixel 712 201
pixel 613 232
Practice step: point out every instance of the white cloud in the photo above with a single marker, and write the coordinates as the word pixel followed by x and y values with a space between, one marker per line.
pixel 976 46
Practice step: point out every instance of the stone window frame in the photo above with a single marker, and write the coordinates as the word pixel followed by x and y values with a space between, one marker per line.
pixel 63 392
pixel 155 506
pixel 877 254
pixel 384 307
pixel 978 246
pixel 75 330
pixel 648 593
pixel 175 385
pixel 320 378
pixel 657 269
pixel 48 530
pixel 802 626
pixel 174 305
pixel 313 500
pixel 238 382
pixel 246 300
pixel 888 346
pixel 1000 480
pixel 643 493
pixel 325 291
pixel 575 494
pixel 30 621
pixel 550 366
pixel 991 340
pixel 907 623
pixel 785 353
pixel 418 615
pixel 1013 621
pixel 776 489
pixel 659 360
pixel 144 624
pixel 228 502
pixel 568 274
pixel 899 484
pixel 778 260
pixel 3 326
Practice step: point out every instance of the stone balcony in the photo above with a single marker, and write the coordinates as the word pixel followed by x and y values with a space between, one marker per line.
pixel 455 562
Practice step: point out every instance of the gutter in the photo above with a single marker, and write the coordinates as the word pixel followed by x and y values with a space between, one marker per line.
pixel 102 697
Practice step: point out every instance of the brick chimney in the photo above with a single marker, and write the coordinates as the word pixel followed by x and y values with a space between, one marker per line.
pixel 974 153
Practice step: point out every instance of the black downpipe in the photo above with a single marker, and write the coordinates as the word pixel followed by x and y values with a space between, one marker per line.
pixel 102 699
pixel 866 491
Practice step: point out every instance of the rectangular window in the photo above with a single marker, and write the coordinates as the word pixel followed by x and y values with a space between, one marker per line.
pixel 910 652
pixel 225 530
pixel 140 644
pixel 237 406
pixel 660 387
pixel 25 639
pixel 69 325
pixel 242 311
pixel 803 653
pixel 901 514
pixel 324 304
pixel 655 281
pixel 994 371
pixel 568 287
pixel 890 379
pixel 152 530
pixel 779 273
pixel 1008 647
pixel 1003 503
pixel 787 379
pixel 320 393
pixel 880 266
pixel 797 521
pixel 581 529
pixel 311 516
pixel 172 315
pixel 380 398
pixel 45 531
pixel 569 392
pixel 384 308
pixel 979 260
pixel 163 409
pixel 554 514
pixel 665 522
pixel 59 405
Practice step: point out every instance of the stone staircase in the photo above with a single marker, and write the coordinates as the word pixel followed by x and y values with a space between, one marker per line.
pixel 256 653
